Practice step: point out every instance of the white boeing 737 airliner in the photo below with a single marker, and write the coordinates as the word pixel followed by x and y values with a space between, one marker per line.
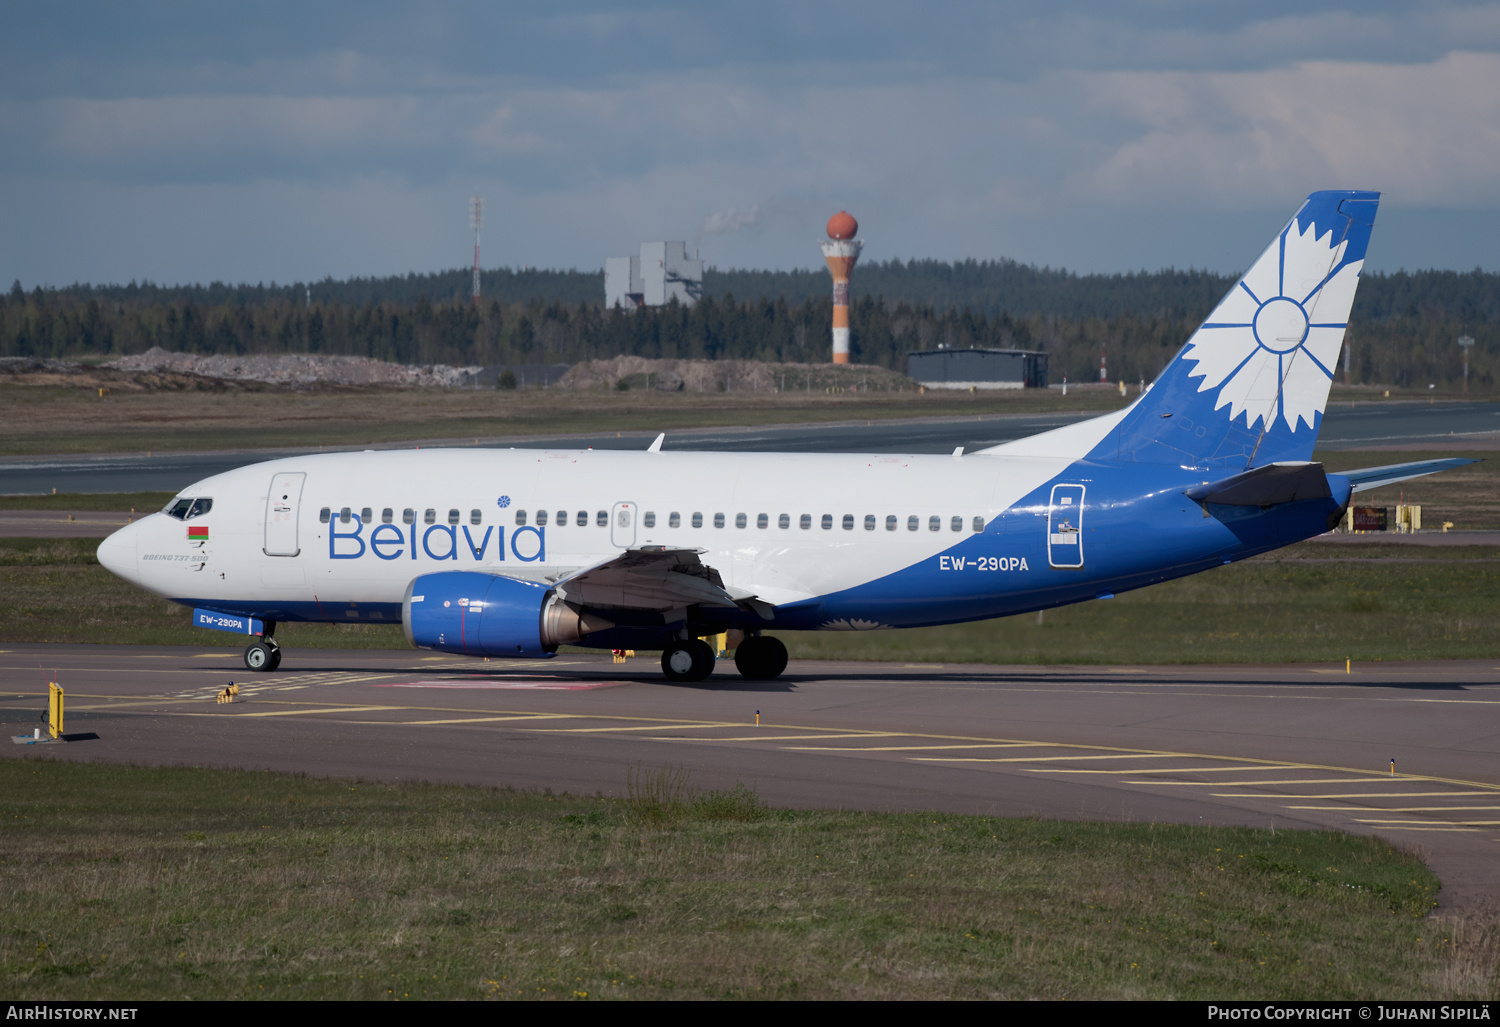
pixel 515 552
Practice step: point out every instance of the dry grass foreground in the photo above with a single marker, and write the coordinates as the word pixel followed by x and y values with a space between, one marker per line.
pixel 135 883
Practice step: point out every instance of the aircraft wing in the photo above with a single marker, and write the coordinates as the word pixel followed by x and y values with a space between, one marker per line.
pixel 658 578
pixel 1367 478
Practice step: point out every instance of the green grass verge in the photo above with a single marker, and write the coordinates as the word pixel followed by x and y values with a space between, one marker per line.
pixel 132 883
pixel 1313 602
pixel 145 502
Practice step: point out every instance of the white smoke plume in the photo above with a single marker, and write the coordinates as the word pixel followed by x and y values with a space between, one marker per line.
pixel 725 221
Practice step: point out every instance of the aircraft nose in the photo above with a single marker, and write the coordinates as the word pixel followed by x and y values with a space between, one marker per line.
pixel 117 553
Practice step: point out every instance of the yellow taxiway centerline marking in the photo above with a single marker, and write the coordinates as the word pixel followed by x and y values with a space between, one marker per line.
pixel 908 748
pixel 1420 827
pixel 1340 795
pixel 1437 823
pixel 1228 784
pixel 648 727
pixel 798 738
pixel 1393 809
pixel 336 709
pixel 1178 770
pixel 1031 759
pixel 487 720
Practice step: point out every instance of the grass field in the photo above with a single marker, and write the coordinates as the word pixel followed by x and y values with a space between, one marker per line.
pixel 131 883
pixel 1313 602
pixel 46 419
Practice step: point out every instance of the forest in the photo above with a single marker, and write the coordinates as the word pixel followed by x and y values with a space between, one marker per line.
pixel 1403 329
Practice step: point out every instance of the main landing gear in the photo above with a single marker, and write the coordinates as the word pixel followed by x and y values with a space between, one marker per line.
pixel 263 654
pixel 759 658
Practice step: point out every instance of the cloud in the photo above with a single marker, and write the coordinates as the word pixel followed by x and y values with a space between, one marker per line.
pixel 1429 133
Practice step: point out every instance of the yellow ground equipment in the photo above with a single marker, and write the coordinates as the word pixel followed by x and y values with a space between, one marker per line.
pixel 230 691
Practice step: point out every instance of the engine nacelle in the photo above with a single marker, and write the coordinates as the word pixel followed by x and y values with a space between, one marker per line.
pixel 476 614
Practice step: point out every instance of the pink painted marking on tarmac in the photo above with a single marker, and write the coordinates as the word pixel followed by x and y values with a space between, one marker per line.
pixel 524 684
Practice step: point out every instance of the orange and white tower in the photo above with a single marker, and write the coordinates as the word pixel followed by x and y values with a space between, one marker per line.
pixel 841 250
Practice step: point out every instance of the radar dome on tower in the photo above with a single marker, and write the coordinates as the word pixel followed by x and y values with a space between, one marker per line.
pixel 842 226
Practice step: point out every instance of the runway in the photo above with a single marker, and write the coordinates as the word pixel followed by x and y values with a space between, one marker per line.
pixel 1366 425
pixel 1298 746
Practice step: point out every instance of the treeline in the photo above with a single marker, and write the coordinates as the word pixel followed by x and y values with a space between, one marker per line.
pixel 989 287
pixel 1409 347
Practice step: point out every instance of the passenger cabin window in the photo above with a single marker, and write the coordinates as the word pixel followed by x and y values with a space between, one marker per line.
pixel 520 518
pixel 323 515
pixel 601 519
pixel 912 523
pixel 674 519
pixel 541 518
pixel 869 522
pixel 200 507
pixel 387 515
pixel 408 516
pixel 366 515
pixel 848 522
pixel 582 520
pixel 934 524
pixel 784 521
pixel 739 520
pixel 957 524
pixel 344 515
pixel 452 516
pixel 718 520
pixel 979 524
pixel 475 517
pixel 697 519
pixel 890 523
pixel 650 519
pixel 805 522
pixel 828 522
pixel 762 521
pixel 562 518
pixel 429 516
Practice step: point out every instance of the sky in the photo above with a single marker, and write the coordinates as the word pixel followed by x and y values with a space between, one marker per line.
pixel 194 142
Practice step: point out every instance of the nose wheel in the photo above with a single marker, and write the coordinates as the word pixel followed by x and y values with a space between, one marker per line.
pixel 262 655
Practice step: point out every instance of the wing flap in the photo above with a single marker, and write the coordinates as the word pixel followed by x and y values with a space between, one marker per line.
pixel 659 578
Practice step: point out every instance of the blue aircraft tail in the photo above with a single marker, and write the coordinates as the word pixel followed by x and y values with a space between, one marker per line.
pixel 1250 386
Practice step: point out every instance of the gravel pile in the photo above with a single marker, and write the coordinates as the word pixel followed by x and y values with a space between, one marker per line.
pixel 297 369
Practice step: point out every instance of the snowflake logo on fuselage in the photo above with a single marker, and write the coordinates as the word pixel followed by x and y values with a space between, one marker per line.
pixel 1266 344
pixel 503 502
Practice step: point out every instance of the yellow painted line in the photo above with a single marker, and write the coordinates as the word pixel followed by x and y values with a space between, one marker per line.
pixel 1440 823
pixel 335 709
pixel 909 748
pixel 1442 830
pixel 1033 759
pixel 1340 795
pixel 648 727
pixel 800 738
pixel 1394 809
pixel 1172 770
pixel 488 720
pixel 1235 784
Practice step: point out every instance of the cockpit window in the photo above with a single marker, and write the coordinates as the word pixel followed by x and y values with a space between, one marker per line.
pixel 179 509
pixel 187 509
pixel 200 507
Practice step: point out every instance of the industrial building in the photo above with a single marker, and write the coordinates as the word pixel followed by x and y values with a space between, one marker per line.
pixel 663 272
pixel 978 368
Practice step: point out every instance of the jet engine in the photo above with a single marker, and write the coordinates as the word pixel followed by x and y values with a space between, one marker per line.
pixel 476 614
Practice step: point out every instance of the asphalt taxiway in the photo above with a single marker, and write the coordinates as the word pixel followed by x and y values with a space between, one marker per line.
pixel 1284 746
pixel 1373 424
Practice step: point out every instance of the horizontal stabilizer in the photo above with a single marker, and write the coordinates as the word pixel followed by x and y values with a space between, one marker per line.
pixel 1270 485
pixel 1367 478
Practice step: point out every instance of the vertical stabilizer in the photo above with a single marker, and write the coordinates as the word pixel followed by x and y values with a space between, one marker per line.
pixel 1250 386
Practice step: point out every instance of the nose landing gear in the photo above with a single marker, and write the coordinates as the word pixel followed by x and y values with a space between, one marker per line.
pixel 263 654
